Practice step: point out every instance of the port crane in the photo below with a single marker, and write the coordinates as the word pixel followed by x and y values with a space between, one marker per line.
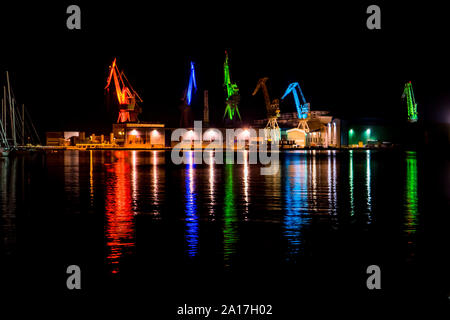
pixel 192 85
pixel 127 97
pixel 232 90
pixel 410 102
pixel 186 112
pixel 272 130
pixel 303 111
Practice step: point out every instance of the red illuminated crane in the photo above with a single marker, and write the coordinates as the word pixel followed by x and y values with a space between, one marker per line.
pixel 126 95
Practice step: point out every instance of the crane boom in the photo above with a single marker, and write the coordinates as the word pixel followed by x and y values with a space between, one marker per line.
pixel 262 85
pixel 232 90
pixel 272 130
pixel 410 102
pixel 126 95
pixel 273 108
pixel 191 86
pixel 303 106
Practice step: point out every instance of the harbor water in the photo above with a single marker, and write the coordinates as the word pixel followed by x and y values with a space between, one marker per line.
pixel 133 219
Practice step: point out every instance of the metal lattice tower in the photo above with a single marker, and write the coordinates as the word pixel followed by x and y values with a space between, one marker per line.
pixel 410 102
pixel 272 130
pixel 232 90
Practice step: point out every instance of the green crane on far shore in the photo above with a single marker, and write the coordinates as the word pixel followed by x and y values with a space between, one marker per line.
pixel 410 102
pixel 233 98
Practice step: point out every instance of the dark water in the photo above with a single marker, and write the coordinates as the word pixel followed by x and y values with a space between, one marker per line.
pixel 194 233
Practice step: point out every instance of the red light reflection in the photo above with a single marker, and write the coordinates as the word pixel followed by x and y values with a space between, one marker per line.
pixel 119 229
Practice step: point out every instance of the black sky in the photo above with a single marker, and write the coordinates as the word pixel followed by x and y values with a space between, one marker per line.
pixel 60 74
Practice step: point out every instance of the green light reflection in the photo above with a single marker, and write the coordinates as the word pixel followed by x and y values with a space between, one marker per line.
pixel 411 201
pixel 230 218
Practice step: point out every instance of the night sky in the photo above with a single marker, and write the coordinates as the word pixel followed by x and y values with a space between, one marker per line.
pixel 60 74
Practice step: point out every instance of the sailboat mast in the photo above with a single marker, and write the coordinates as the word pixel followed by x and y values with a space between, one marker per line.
pixel 11 111
pixel 13 122
pixel 2 118
pixel 4 109
pixel 23 124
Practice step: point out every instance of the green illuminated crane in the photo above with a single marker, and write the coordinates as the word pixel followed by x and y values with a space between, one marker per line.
pixel 232 89
pixel 272 129
pixel 410 102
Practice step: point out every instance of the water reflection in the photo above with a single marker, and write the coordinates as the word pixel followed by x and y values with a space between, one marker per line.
pixel 351 184
pixel 230 236
pixel 72 177
pixel 8 204
pixel 321 176
pixel 272 190
pixel 157 194
pixel 245 178
pixel 332 181
pixel 212 198
pixel 411 198
pixel 120 224
pixel 306 190
pixel 192 226
pixel 369 186
pixel 313 182
pixel 91 178
pixel 296 193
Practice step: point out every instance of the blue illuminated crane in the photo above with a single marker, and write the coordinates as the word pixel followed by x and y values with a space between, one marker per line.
pixel 192 84
pixel 302 107
pixel 186 110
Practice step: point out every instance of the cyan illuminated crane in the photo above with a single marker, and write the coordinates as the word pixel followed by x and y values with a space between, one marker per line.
pixel 233 98
pixel 272 130
pixel 302 107
pixel 411 102
pixel 126 95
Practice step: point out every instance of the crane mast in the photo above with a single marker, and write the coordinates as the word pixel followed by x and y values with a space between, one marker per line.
pixel 126 95
pixel 186 110
pixel 410 102
pixel 272 130
pixel 232 90
pixel 191 86
pixel 303 110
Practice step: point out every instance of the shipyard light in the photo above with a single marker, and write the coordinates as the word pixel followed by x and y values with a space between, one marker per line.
pixel 134 132
pixel 368 132
pixel 245 134
pixel 210 134
pixel 155 133
pixel 190 134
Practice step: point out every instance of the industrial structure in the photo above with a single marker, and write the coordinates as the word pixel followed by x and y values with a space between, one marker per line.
pixel 323 130
pixel 302 107
pixel 205 108
pixel 304 128
pixel 408 94
pixel 232 99
pixel 127 97
pixel 186 119
pixel 139 135
pixel 272 130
